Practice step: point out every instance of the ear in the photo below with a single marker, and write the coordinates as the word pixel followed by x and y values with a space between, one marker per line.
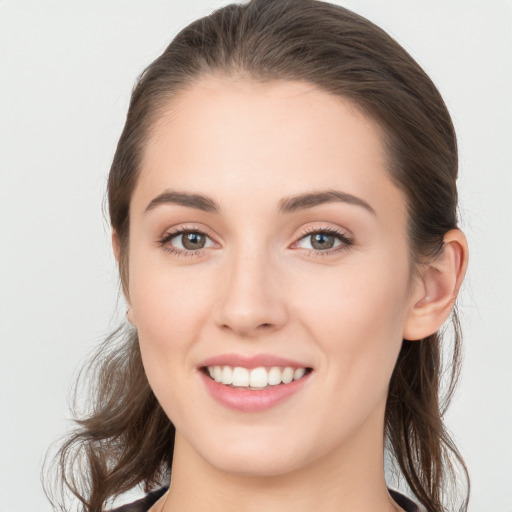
pixel 129 315
pixel 437 287
pixel 116 245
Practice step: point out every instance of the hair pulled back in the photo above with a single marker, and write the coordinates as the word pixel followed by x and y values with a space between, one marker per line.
pixel 126 439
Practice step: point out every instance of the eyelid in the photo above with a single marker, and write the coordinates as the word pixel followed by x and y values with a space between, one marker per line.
pixel 170 233
pixel 186 228
pixel 343 235
pixel 309 230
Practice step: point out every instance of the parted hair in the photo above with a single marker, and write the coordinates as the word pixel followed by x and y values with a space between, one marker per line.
pixel 124 438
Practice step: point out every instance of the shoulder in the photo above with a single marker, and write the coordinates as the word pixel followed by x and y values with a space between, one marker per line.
pixel 142 505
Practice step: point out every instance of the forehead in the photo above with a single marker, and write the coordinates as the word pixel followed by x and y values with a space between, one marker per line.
pixel 229 115
pixel 262 139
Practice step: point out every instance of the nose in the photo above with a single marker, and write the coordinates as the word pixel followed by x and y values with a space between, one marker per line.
pixel 252 300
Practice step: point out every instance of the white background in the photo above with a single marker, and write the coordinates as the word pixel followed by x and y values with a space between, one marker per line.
pixel 66 72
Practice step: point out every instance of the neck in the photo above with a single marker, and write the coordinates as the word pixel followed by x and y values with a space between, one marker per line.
pixel 348 478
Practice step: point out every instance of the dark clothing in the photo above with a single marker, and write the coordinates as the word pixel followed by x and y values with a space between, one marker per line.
pixel 144 504
pixel 403 501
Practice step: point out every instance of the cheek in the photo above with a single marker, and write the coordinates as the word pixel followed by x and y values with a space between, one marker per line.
pixel 355 298
pixel 357 316
pixel 356 320
pixel 164 298
pixel 169 309
pixel 169 306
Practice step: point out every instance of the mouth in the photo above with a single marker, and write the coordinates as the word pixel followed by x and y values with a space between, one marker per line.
pixel 255 379
pixel 254 383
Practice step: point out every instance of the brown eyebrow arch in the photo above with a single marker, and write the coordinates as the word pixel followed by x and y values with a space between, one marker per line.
pixel 309 200
pixel 286 205
pixel 187 199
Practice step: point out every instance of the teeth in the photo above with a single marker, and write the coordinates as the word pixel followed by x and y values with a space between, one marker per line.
pixel 299 372
pixel 227 375
pixel 274 376
pixel 287 375
pixel 257 378
pixel 240 377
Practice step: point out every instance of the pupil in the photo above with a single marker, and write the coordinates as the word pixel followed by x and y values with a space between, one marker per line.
pixel 193 241
pixel 322 241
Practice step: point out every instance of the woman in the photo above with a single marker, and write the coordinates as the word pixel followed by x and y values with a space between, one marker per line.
pixel 283 205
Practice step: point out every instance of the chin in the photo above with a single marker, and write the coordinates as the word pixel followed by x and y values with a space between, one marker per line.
pixel 257 454
pixel 256 465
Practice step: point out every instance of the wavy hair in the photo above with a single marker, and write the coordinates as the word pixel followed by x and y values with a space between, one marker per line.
pixel 125 439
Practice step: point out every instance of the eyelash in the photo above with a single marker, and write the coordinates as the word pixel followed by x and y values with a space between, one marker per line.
pixel 164 242
pixel 346 242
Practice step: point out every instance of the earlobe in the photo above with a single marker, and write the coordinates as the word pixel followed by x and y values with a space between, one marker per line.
pixel 129 316
pixel 437 288
pixel 116 245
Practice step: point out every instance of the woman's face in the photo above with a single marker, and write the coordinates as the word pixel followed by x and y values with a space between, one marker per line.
pixel 265 233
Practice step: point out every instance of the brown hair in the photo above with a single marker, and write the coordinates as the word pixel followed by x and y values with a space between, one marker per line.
pixel 126 439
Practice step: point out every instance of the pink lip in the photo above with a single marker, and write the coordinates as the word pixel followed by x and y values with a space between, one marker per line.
pixel 246 400
pixel 255 361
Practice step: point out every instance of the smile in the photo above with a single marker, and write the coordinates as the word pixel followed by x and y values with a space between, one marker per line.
pixel 255 378
pixel 253 383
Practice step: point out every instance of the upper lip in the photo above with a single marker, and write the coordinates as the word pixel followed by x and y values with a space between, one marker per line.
pixel 254 361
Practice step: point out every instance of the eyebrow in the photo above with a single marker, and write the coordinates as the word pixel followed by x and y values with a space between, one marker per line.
pixel 286 205
pixel 187 199
pixel 309 200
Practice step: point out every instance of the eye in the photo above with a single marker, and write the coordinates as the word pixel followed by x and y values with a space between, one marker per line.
pixel 186 240
pixel 324 240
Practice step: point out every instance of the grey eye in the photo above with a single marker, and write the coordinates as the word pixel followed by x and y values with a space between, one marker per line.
pixel 193 241
pixel 321 241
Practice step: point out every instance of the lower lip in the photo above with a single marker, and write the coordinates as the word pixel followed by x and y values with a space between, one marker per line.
pixel 246 400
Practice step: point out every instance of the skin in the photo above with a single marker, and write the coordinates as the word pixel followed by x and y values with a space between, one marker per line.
pixel 258 288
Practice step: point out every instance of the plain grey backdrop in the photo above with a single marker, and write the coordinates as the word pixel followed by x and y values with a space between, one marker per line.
pixel 66 71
